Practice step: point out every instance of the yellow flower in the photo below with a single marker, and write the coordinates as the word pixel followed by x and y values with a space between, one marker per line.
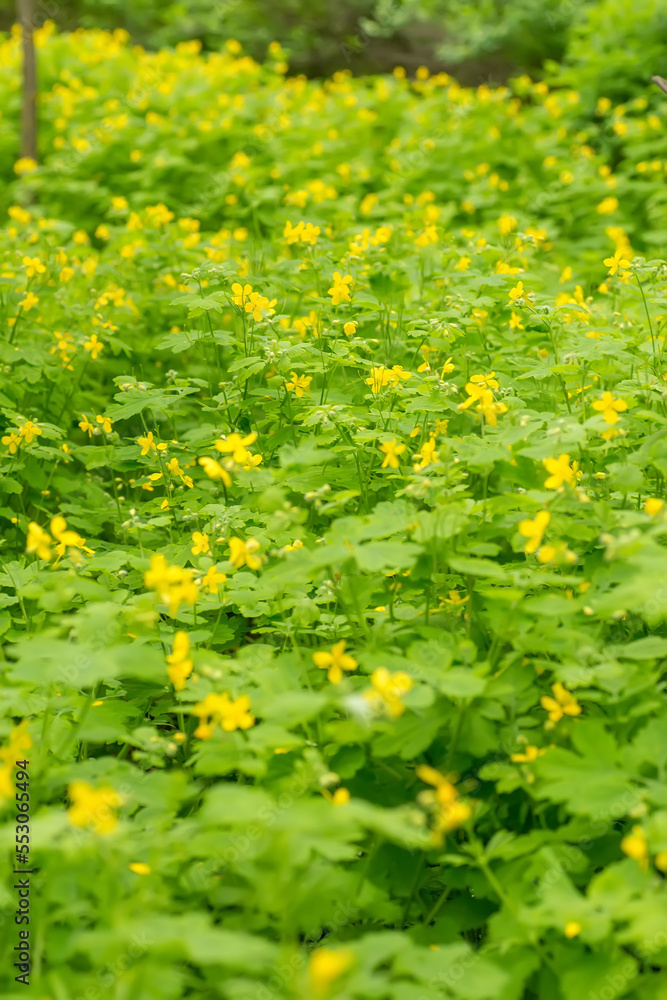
pixel 211 580
pixel 241 293
pixel 572 929
pixel 66 274
pixel 455 599
pixel 447 368
pixel 388 690
pixel 560 472
pixel 368 202
pixel 396 373
pixel 220 710
pixel 242 553
pixel 490 408
pixel 25 165
pixel 617 262
pixel 179 663
pixel 427 237
pixel 140 868
pixel 450 812
pixel 607 206
pixel 517 292
pixel 19 214
pixel 38 542
pixel 298 384
pixel 86 425
pixel 349 329
pixel 653 505
pixel 159 214
pixel 303 232
pixel 379 377
pixel 67 538
pixel 475 393
pixel 530 754
pixel 94 346
pixel 258 304
pixel 340 290
pixel 214 470
pixel 391 450
pixel 29 431
pixel 427 454
pixel 12 441
pixel 635 845
pixel 201 545
pixel 335 662
pixel 147 443
pixel 562 703
pixel 487 381
pixel 93 807
pixel 426 352
pixel 107 424
pixel 610 407
pixel 340 797
pixel 236 446
pixel 534 531
pixel 174 585
pixel 29 302
pixel 33 266
pixel 515 322
pixel 251 302
pixel 19 741
pixel 506 224
pixel 559 552
pixel 546 553
pixel 326 966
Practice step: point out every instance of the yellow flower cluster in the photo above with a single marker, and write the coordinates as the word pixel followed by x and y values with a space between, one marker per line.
pixel 93 807
pixel 340 289
pixel 382 376
pixel 27 432
pixel 173 584
pixel 303 232
pixel 479 390
pixel 252 302
pixel 387 691
pixel 220 710
pixel 449 811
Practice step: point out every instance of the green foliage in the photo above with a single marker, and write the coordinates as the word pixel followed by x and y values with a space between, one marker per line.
pixel 332 579
pixel 616 48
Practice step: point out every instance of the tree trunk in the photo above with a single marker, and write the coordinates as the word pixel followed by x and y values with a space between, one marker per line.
pixel 26 13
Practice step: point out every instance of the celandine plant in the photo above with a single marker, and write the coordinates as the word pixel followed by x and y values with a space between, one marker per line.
pixel 333 567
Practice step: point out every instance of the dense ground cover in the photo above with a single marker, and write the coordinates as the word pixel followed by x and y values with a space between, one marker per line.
pixel 333 564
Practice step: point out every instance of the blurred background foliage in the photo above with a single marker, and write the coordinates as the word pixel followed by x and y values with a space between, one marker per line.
pixel 609 45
